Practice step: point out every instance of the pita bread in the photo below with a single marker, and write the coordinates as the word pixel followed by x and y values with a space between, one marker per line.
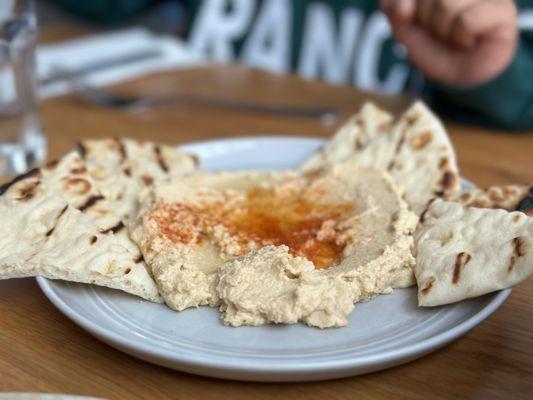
pixel 70 179
pixel 464 252
pixel 417 153
pixel 52 238
pixel 510 198
pixel 423 163
pixel 122 167
pixel 354 135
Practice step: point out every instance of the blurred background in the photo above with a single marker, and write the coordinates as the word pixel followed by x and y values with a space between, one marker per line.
pixel 278 36
pixel 470 60
pixel 349 42
pixel 164 16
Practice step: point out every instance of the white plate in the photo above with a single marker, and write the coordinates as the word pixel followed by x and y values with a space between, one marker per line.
pixel 387 331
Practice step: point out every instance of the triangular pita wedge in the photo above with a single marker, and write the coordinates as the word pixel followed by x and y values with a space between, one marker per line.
pixel 354 135
pixel 423 163
pixel 122 167
pixel 48 237
pixel 417 153
pixel 510 198
pixel 464 252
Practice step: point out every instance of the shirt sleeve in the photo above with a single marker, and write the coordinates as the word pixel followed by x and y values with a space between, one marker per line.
pixel 505 102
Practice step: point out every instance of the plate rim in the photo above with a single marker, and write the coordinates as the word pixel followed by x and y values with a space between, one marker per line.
pixel 211 367
pixel 258 138
pixel 405 352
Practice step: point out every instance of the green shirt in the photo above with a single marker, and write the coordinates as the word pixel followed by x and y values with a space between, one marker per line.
pixel 343 42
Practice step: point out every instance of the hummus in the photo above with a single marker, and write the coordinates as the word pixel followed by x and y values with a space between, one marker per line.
pixel 310 244
pixel 272 285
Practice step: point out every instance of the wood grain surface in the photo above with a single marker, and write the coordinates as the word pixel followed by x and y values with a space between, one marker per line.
pixel 43 351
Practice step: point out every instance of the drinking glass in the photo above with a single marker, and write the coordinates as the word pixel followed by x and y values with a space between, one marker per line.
pixel 22 142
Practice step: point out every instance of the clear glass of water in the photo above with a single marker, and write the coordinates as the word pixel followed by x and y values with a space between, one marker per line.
pixel 22 142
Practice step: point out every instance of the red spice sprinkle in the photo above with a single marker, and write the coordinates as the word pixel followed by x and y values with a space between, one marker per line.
pixel 263 217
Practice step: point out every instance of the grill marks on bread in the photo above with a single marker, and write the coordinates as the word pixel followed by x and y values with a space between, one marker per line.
pixel 421 141
pixel 114 229
pixel 119 147
pixel 51 165
pixel 79 170
pixel 121 150
pixel 470 251
pixel 398 148
pixel 460 262
pixel 79 186
pixel 91 201
pixel 82 150
pixel 448 180
pixel 427 285
pixel 35 172
pixel 195 159
pixel 525 205
pixel 50 231
pixel 28 191
pixel 160 159
pixel 518 251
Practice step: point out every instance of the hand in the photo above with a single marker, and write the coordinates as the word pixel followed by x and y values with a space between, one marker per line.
pixel 458 42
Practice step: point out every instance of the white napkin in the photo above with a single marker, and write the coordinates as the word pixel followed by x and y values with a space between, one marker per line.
pixel 73 54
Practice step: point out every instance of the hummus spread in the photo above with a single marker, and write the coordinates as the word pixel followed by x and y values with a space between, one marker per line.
pixel 271 285
pixel 277 247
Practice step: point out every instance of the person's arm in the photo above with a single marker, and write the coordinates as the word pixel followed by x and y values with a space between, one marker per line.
pixel 470 53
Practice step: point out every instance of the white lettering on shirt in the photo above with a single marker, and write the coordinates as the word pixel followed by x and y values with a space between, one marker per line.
pixel 324 53
pixel 525 20
pixel 268 45
pixel 349 50
pixel 215 28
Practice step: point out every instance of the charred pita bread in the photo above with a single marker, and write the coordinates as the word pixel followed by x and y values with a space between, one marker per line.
pixel 51 236
pixel 423 163
pixel 105 189
pixel 510 198
pixel 122 167
pixel 417 153
pixel 69 178
pixel 354 135
pixel 464 252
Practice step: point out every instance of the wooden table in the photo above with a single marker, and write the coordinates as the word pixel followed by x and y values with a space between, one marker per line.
pixel 43 351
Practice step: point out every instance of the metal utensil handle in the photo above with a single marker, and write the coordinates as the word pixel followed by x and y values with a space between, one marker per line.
pixel 301 111
pixel 99 65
